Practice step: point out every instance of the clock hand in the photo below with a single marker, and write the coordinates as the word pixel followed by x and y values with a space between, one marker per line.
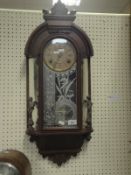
pixel 58 58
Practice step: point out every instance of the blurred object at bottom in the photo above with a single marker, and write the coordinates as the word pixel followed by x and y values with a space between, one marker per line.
pixel 14 162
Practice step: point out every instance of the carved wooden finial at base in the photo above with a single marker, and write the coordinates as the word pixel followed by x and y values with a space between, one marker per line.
pixel 58 151
pixel 59 159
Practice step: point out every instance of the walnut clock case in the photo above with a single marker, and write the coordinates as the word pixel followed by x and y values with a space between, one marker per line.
pixel 58 85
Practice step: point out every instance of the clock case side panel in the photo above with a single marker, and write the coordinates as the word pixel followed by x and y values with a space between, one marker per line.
pixel 58 145
pixel 32 50
pixel 87 53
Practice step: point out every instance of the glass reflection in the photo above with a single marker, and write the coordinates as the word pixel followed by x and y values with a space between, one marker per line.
pixel 8 169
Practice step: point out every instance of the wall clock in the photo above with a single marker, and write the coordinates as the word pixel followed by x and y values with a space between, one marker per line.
pixel 13 162
pixel 58 85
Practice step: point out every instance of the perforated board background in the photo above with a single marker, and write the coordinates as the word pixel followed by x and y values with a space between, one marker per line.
pixel 108 153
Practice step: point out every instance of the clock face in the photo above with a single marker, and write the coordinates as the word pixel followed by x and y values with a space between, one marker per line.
pixel 59 54
pixel 8 169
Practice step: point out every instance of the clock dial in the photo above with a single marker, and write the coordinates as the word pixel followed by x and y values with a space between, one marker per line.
pixel 59 54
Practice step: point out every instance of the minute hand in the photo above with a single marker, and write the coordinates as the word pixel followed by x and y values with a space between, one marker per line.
pixel 57 60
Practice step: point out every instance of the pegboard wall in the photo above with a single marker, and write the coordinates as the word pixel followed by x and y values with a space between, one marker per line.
pixel 108 153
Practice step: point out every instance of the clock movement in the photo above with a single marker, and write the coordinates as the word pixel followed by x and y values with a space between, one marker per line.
pixel 59 104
